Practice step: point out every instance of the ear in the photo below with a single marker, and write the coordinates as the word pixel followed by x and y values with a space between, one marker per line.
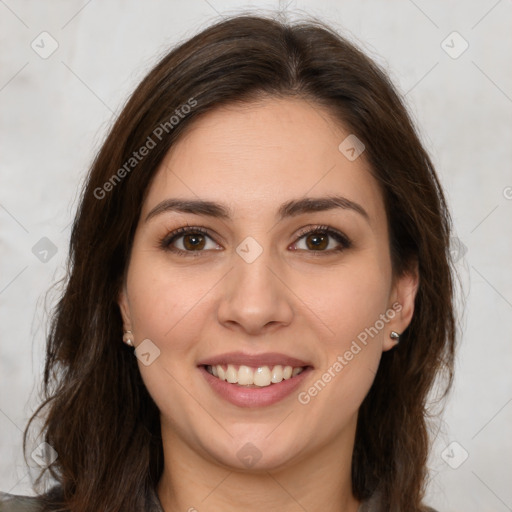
pixel 402 299
pixel 124 306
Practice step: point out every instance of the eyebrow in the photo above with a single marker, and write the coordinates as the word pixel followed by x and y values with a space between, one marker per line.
pixel 288 209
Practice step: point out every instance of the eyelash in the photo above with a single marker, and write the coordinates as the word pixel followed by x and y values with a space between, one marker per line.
pixel 344 241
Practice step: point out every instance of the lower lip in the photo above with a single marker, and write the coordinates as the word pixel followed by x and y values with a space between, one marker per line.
pixel 254 397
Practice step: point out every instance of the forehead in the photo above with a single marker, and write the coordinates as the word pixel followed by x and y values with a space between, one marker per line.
pixel 255 156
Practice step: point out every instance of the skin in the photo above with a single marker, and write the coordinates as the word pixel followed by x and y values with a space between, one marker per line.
pixel 292 299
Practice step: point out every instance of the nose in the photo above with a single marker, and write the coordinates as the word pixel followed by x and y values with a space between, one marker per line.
pixel 254 297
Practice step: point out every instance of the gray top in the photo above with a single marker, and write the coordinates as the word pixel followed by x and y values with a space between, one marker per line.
pixel 12 503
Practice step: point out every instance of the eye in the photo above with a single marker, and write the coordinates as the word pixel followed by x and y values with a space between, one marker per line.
pixel 318 239
pixel 322 239
pixel 186 240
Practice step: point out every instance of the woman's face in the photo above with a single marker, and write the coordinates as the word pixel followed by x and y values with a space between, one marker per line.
pixel 248 286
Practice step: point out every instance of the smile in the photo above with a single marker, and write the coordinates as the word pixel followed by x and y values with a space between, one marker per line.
pixel 261 376
pixel 259 389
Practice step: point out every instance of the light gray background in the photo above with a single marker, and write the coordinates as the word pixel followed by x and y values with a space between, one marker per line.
pixel 55 112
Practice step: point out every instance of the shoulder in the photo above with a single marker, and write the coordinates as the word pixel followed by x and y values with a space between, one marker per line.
pixel 13 503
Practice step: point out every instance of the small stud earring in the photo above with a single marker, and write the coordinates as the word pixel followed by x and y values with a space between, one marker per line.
pixel 128 338
pixel 395 336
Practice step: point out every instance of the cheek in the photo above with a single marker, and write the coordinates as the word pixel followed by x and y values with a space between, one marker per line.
pixel 163 299
pixel 346 301
pixel 348 304
pixel 167 307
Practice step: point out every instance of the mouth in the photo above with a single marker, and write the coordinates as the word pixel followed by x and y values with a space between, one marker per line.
pixel 254 377
pixel 259 380
pixel 250 383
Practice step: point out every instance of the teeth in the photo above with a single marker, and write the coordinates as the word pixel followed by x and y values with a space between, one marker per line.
pixel 231 374
pixel 246 376
pixel 277 374
pixel 262 376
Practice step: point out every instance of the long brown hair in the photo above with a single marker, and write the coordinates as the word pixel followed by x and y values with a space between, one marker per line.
pixel 98 415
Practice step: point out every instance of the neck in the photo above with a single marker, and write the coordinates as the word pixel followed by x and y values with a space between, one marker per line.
pixel 319 481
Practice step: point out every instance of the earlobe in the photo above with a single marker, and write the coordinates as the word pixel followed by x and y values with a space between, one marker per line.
pixel 404 295
pixel 125 314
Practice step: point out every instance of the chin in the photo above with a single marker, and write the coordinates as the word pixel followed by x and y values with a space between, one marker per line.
pixel 255 454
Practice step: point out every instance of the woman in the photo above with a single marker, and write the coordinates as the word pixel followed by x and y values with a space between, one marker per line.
pixel 263 226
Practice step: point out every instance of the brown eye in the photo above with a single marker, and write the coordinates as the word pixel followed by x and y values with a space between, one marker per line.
pixel 194 242
pixel 317 241
pixel 188 240
pixel 322 239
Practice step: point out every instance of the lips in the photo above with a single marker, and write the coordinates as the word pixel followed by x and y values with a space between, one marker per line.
pixel 254 396
pixel 245 381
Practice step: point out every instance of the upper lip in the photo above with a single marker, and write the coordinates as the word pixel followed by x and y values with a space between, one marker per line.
pixel 254 360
